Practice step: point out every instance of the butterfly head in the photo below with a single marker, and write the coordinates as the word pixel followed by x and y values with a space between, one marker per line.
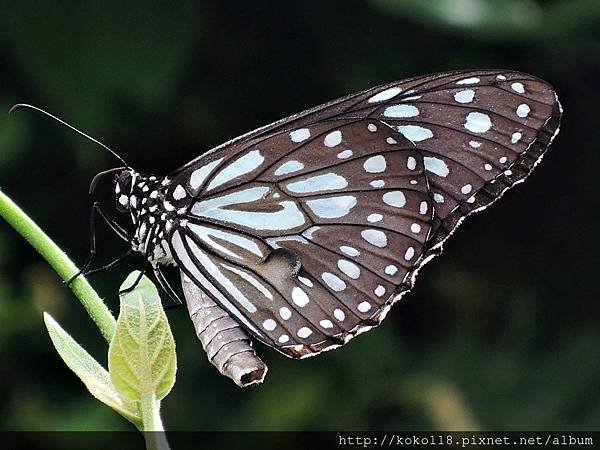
pixel 124 189
pixel 135 192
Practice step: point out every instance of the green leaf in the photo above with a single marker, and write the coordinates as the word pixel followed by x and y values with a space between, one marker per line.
pixel 141 357
pixel 93 375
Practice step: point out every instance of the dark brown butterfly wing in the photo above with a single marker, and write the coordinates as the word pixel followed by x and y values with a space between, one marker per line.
pixel 307 230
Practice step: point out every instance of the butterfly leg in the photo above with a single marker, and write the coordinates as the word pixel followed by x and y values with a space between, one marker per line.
pixel 119 231
pixel 112 223
pixel 164 284
pixel 110 265
pixel 146 265
pixel 136 281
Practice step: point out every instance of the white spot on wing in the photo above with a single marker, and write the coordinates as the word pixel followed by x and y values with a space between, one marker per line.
pixel 326 323
pixel 304 332
pixel 344 154
pixel 299 297
pixel 269 324
pixel 285 312
pixel 472 80
pixel 394 198
pixel 289 167
pixel 332 207
pixel 305 281
pixel 518 87
pixel 374 217
pixel 415 133
pixel 411 163
pixel 523 110
pixel 241 166
pixel 385 95
pixel 339 314
pixel 325 182
pixel 375 164
pixel 363 307
pixel 300 135
pixel 465 96
pixel 333 281
pixel 436 166
pixel 516 137
pixel 391 269
pixel 349 268
pixel 350 251
pixel 374 237
pixel 401 111
pixel 478 122
pixel 332 139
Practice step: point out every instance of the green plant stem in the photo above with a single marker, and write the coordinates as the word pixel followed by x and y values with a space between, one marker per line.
pixel 152 427
pixel 61 263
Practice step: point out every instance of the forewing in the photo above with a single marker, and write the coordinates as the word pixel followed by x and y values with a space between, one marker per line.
pixel 479 133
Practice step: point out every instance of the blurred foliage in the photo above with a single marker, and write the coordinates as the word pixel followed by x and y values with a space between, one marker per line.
pixel 501 332
pixel 502 20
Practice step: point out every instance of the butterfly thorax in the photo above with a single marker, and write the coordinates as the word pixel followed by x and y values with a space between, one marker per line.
pixel 145 198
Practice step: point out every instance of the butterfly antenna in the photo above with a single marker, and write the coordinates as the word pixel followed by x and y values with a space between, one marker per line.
pixel 35 108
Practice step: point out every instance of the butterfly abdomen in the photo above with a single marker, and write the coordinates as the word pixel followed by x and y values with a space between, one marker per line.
pixel 225 342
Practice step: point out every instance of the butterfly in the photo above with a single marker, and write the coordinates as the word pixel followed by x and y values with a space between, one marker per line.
pixel 306 231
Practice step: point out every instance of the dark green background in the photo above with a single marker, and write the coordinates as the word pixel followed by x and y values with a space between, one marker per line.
pixel 501 332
